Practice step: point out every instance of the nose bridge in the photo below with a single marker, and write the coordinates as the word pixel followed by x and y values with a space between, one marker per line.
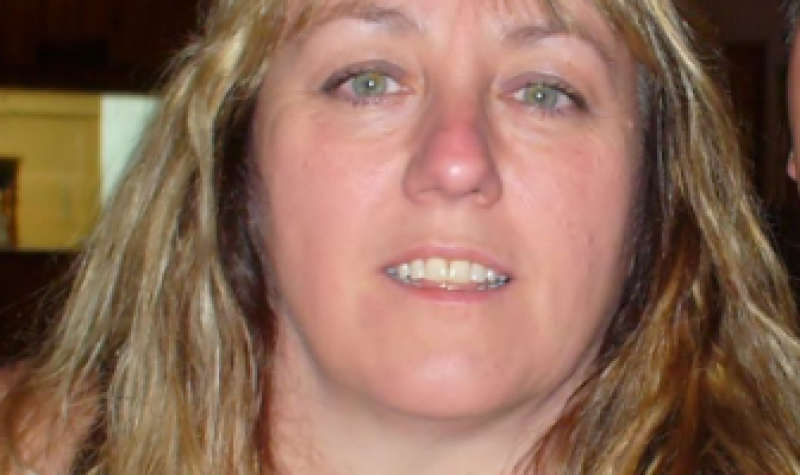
pixel 455 131
pixel 453 157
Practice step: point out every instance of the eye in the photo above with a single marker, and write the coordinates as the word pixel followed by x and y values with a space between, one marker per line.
pixel 542 95
pixel 545 94
pixel 363 85
pixel 371 84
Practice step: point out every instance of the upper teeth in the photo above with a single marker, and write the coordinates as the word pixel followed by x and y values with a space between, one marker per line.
pixel 446 272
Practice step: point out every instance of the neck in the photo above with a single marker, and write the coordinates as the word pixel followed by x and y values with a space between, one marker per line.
pixel 330 438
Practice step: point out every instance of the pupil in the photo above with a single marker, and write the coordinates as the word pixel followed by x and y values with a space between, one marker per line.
pixel 369 84
pixel 541 96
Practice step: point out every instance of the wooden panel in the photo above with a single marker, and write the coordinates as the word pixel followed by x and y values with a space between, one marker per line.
pixel 8 202
pixel 56 138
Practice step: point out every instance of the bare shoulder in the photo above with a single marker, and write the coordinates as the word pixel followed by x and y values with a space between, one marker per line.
pixel 44 441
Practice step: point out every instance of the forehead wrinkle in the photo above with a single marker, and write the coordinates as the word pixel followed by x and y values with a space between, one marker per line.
pixel 526 35
pixel 549 20
pixel 394 20
pixel 530 21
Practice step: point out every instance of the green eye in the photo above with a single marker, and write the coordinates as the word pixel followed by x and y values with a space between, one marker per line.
pixel 542 96
pixel 369 84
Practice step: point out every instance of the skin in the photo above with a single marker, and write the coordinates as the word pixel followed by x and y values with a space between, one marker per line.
pixel 794 105
pixel 38 447
pixel 452 158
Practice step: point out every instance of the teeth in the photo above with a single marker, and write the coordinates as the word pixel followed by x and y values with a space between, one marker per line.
pixel 436 270
pixel 447 273
pixel 404 271
pixel 417 270
pixel 477 273
pixel 459 272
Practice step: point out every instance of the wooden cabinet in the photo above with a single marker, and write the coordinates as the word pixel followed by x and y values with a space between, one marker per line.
pixel 56 138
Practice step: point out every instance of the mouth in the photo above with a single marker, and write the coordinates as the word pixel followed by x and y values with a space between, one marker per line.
pixel 448 274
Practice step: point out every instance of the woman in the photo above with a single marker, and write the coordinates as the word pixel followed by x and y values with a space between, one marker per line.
pixel 426 237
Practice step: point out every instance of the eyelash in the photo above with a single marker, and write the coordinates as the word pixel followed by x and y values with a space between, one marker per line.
pixel 574 97
pixel 333 88
pixel 333 85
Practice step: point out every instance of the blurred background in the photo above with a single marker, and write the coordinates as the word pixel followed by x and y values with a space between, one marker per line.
pixel 77 86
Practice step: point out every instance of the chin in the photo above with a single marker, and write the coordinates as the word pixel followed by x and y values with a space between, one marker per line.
pixel 450 389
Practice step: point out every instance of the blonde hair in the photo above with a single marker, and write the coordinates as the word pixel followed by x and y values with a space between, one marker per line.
pixel 166 337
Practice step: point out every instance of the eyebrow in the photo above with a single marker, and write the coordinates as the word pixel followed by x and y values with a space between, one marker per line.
pixel 398 21
pixel 533 33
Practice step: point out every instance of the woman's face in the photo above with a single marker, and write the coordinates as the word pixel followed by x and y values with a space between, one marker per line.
pixel 449 187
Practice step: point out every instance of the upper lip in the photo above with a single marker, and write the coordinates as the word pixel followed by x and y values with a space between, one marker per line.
pixel 451 252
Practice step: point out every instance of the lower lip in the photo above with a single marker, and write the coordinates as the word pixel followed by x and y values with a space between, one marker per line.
pixel 438 294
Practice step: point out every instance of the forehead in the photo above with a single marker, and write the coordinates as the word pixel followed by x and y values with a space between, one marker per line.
pixel 524 17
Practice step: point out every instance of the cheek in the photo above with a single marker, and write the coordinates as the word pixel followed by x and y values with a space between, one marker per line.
pixel 579 203
pixel 306 192
pixel 312 171
pixel 580 184
pixel 324 191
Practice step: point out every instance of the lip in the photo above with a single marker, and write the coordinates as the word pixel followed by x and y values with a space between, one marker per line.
pixel 449 252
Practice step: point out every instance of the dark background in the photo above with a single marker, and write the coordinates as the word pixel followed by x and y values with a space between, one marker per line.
pixel 91 45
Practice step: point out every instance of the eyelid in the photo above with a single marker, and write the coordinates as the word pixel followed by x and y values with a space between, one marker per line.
pixel 341 76
pixel 513 86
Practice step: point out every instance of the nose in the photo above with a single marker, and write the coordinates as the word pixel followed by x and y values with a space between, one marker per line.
pixel 453 162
